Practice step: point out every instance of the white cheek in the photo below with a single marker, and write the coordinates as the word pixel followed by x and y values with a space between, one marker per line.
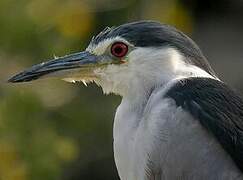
pixel 166 63
pixel 152 64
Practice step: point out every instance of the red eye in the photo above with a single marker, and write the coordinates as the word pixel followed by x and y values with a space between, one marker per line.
pixel 119 49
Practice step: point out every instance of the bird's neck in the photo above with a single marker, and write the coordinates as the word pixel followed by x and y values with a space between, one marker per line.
pixel 136 99
pixel 149 82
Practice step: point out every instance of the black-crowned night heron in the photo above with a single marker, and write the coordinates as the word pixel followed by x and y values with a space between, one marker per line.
pixel 177 120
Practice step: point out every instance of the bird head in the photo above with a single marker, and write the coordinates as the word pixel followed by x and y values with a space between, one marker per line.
pixel 134 56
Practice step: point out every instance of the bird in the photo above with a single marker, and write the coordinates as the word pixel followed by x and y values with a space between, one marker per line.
pixel 176 120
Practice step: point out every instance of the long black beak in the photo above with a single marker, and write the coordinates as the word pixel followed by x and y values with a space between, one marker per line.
pixel 73 61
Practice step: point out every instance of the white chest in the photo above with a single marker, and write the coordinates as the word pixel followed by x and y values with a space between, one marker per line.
pixel 125 133
pixel 133 139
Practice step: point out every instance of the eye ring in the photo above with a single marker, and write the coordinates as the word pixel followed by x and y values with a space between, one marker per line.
pixel 119 49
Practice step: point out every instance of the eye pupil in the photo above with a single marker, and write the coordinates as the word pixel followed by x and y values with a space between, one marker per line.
pixel 119 49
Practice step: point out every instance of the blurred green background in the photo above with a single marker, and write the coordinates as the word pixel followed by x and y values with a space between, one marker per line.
pixel 55 130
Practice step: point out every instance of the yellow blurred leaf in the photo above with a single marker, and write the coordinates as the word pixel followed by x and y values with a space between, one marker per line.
pixel 74 20
pixel 11 168
pixel 71 18
pixel 67 149
pixel 171 12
